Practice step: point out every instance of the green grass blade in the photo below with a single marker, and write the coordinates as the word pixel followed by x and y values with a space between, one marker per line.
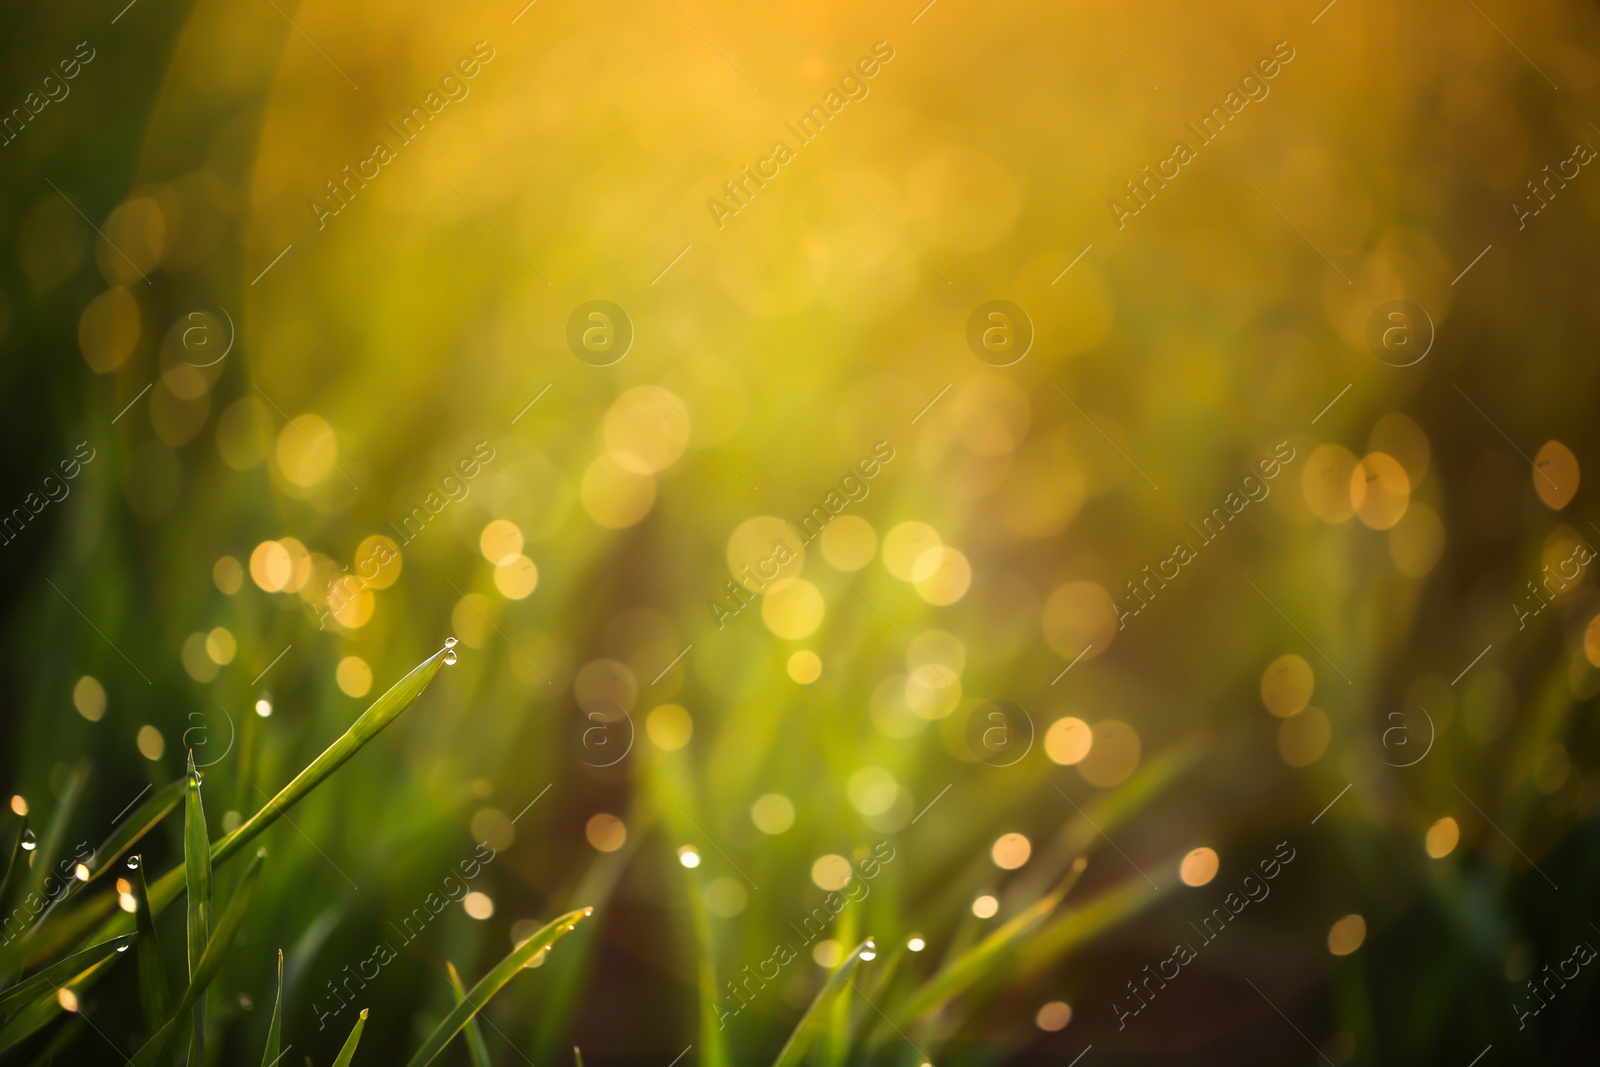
pixel 51 978
pixel 43 862
pixel 348 1053
pixel 815 1020
pixel 981 959
pixel 275 1031
pixel 492 983
pixel 73 926
pixel 42 1010
pixel 477 1049
pixel 13 865
pixel 370 724
pixel 380 714
pixel 141 822
pixel 216 950
pixel 155 995
pixel 197 881
pixel 577 1057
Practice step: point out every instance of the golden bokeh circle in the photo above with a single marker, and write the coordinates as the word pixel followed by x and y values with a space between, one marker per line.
pixel 1287 685
pixel 1113 756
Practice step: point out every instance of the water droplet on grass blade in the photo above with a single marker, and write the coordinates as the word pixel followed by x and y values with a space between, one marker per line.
pixel 449 657
pixel 29 842
pixel 449 642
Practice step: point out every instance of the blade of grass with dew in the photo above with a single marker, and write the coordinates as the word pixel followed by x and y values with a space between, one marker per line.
pixel 166 889
pixel 197 880
pixel 43 1009
pixel 222 935
pixel 348 1053
pixel 814 1021
pixel 45 940
pixel 492 983
pixel 272 1054
pixel 155 994
pixel 671 778
pixel 41 866
pixel 477 1050
pixel 52 976
pixel 964 971
pixel 371 722
pixel 577 1057
pixel 130 830
pixel 13 865
pixel 841 1021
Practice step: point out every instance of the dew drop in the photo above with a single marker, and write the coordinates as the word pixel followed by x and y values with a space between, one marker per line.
pixel 264 707
pixel 449 657
pixel 122 948
pixel 29 842
pixel 449 642
pixel 194 779
pixel 133 863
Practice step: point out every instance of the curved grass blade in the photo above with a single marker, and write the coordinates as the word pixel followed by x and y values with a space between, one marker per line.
pixel 477 1049
pixel 275 1032
pixel 348 1053
pixel 370 724
pixel 492 983
pixel 30 1019
pixel 197 880
pixel 210 963
pixel 53 976
pixel 72 927
pixel 981 959
pixel 13 865
pixel 36 874
pixel 378 715
pixel 155 995
pixel 814 1021
pixel 128 833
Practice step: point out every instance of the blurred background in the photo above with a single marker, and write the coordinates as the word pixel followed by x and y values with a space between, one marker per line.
pixel 304 373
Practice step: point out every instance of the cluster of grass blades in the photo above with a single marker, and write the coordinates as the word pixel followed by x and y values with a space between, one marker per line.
pixel 67 949
pixel 865 1009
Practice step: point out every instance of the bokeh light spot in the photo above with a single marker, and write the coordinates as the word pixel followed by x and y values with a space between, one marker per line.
pixel 1346 935
pixel 606 832
pixel 1199 866
pixel 354 676
pixel 1068 740
pixel 1442 838
pixel 772 813
pixel 805 666
pixel 1287 685
pixel 1010 851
